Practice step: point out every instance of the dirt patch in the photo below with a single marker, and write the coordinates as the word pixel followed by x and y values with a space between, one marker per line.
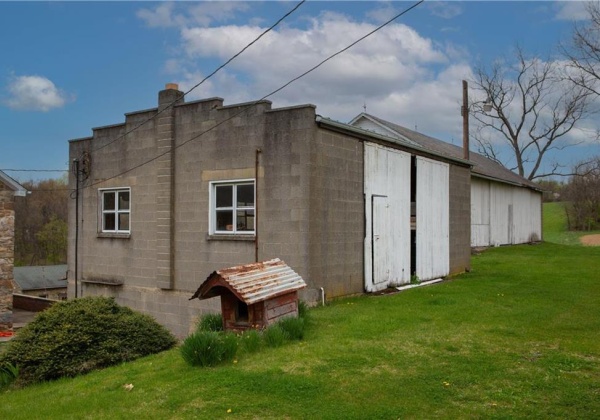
pixel 590 240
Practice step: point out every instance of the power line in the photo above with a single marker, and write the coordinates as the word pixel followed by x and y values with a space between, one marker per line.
pixel 33 170
pixel 205 79
pixel 252 104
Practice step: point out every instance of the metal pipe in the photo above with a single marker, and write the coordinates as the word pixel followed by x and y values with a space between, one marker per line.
pixel 322 296
pixel 76 162
pixel 256 163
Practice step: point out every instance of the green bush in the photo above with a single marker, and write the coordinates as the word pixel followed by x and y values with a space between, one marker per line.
pixel 81 335
pixel 209 348
pixel 293 327
pixel 274 336
pixel 251 341
pixel 211 322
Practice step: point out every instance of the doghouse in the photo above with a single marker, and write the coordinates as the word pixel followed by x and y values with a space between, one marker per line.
pixel 254 295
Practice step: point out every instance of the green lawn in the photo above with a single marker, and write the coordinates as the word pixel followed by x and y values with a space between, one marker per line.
pixel 515 338
pixel 555 226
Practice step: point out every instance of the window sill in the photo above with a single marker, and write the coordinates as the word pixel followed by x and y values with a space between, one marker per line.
pixel 105 282
pixel 113 235
pixel 221 237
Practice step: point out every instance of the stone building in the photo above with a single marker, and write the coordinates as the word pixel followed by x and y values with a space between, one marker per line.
pixel 187 188
pixel 9 189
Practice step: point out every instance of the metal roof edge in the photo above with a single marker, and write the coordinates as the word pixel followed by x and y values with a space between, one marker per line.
pixel 336 125
pixel 17 188
pixel 504 181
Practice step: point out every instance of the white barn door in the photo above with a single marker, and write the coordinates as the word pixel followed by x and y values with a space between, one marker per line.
pixel 433 219
pixel 387 217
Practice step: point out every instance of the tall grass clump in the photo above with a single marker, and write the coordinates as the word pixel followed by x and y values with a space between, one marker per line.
pixel 211 322
pixel 292 327
pixel 209 348
pixel 274 336
pixel 250 341
pixel 8 374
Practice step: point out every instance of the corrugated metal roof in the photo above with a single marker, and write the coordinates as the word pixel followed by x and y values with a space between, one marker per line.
pixel 41 277
pixel 484 167
pixel 256 282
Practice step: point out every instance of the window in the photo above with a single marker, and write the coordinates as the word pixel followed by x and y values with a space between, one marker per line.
pixel 116 210
pixel 232 207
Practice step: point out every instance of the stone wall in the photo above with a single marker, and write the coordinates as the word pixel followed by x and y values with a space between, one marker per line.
pixel 7 243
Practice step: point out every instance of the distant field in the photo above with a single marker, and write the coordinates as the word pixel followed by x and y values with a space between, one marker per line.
pixel 555 226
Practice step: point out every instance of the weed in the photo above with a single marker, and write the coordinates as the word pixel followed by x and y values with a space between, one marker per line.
pixel 293 328
pixel 209 348
pixel 251 341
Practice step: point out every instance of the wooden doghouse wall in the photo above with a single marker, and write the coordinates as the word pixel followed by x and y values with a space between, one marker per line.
pixel 281 307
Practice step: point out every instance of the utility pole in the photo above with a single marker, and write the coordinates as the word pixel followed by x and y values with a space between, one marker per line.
pixel 464 111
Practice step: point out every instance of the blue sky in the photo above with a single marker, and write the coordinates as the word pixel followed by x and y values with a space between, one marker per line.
pixel 69 66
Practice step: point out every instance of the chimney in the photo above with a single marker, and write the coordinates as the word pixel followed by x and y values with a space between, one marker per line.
pixel 169 95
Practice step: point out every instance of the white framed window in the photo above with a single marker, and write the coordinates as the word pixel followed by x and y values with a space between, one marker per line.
pixel 115 213
pixel 232 207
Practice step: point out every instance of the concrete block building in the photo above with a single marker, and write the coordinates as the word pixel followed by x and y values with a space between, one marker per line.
pixel 181 190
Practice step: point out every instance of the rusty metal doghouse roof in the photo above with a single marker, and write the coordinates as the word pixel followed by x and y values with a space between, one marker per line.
pixel 252 283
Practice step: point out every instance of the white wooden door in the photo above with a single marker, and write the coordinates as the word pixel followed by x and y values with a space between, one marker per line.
pixel 433 219
pixel 387 217
pixel 380 239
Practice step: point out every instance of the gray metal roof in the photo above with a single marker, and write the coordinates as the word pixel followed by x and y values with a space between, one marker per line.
pixel 255 282
pixel 13 185
pixel 483 167
pixel 41 277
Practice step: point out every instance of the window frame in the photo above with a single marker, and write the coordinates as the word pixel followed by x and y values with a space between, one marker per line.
pixel 234 208
pixel 116 211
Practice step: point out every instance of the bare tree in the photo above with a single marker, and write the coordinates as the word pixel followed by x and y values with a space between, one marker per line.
pixel 582 195
pixel 583 52
pixel 532 111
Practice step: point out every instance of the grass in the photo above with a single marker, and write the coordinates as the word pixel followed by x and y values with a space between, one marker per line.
pixel 555 226
pixel 515 338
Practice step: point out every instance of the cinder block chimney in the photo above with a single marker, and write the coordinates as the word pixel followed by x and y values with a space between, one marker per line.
pixel 165 185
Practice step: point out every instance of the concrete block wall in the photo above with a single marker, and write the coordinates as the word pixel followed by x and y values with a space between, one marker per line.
pixel 460 219
pixel 336 214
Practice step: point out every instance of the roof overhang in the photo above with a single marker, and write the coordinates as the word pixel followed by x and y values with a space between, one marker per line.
pixel 367 135
pixel 17 188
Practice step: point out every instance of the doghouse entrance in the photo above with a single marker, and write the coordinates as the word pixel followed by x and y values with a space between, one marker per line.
pixel 241 312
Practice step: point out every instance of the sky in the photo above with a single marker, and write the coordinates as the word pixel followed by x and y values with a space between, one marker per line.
pixel 67 67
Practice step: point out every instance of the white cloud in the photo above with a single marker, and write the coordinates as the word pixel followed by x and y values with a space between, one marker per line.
pixel 571 10
pixel 35 93
pixel 203 14
pixel 445 9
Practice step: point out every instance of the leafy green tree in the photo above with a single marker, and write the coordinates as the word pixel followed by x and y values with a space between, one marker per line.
pixel 52 239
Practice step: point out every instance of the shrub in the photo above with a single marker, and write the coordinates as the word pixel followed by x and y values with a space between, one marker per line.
pixel 211 322
pixel 274 336
pixel 209 348
pixel 81 335
pixel 251 341
pixel 293 327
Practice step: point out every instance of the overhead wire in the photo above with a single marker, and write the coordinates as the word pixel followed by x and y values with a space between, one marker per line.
pixel 254 103
pixel 269 29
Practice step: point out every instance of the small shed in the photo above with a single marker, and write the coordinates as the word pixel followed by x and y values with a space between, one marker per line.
pixel 254 295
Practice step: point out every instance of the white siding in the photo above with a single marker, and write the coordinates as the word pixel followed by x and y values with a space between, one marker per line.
pixel 433 209
pixel 480 212
pixel 502 214
pixel 387 215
